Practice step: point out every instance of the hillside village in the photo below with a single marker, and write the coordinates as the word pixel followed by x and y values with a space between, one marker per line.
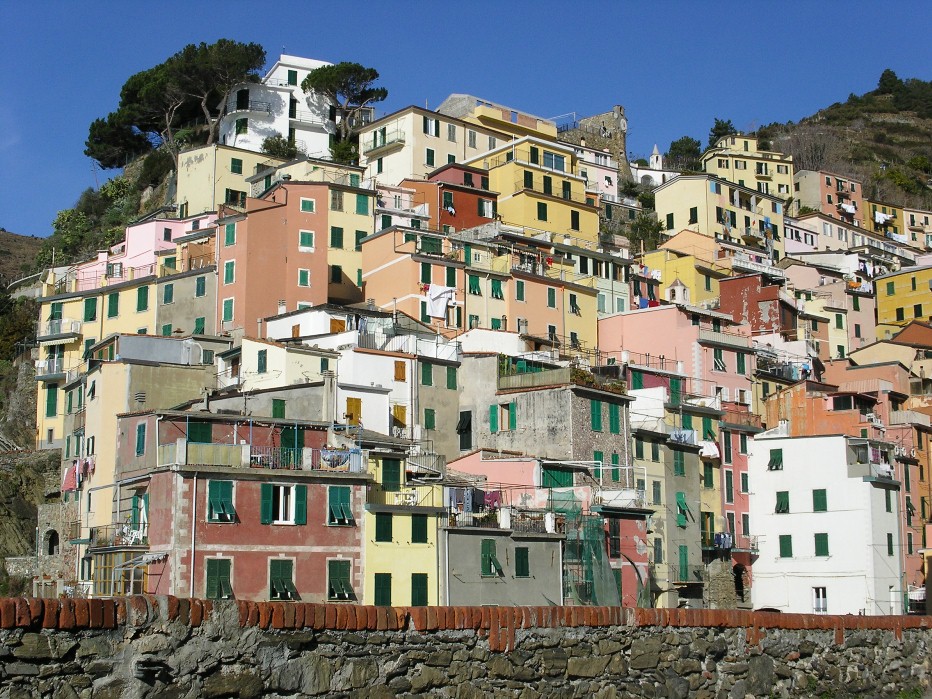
pixel 441 377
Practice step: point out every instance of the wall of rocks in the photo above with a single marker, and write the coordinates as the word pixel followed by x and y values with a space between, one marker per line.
pixel 171 648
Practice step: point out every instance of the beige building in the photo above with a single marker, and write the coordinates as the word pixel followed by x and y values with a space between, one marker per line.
pixel 413 142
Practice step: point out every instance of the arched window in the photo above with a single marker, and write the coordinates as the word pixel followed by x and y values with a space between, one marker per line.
pixel 51 543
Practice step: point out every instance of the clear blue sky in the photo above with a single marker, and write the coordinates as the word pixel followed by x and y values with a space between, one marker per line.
pixel 675 65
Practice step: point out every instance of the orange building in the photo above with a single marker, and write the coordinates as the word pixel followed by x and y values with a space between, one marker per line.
pixel 457 197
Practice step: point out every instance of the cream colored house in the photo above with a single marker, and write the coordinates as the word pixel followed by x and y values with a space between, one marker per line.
pixel 739 159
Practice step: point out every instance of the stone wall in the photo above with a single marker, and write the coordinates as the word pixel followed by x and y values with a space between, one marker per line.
pixel 168 647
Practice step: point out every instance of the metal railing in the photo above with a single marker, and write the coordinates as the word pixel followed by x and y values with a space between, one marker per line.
pixel 721 338
pixel 411 496
pixel 538 188
pixel 306 117
pixel 251 106
pixel 392 138
pixel 119 535
pixel 270 457
pixel 47 367
pixel 433 347
pixel 61 326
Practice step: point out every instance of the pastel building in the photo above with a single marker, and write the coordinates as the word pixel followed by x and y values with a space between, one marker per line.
pixel 831 194
pixel 739 158
pixel 903 296
pixel 412 142
pixel 455 197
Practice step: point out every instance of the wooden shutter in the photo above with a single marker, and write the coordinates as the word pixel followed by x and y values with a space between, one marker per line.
pixel 493 418
pixel 300 504
pixel 265 515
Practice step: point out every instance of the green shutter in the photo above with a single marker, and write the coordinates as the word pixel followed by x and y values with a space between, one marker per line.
pixel 786 546
pixel 166 330
pixel 362 204
pixel 418 589
pixel 488 553
pixel 598 457
pixel 134 513
pixel 90 310
pixel 451 276
pixel 383 589
pixel 262 361
pixel 300 504
pixel 229 234
pixel 200 432
pixel 821 544
pixel 819 500
pixel 51 400
pixel 265 516
pixel 522 562
pixel 140 439
pixel 595 415
pixel 551 297
pixel 227 310
pixel 493 419
pixel 391 475
pixel 679 463
pixel 199 325
pixel 513 415
pixel 113 305
pixel 783 502
pixel 519 290
pixel 708 476
pixel 682 509
pixel 616 471
pixel 278 408
pixel 427 374
pixel 637 380
pixel 419 529
pixel 383 527
pixel 741 363
pixel 614 418
pixel 425 273
pixel 213 578
pixel 451 377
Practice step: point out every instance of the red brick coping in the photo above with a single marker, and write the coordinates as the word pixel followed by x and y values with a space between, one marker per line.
pixel 498 624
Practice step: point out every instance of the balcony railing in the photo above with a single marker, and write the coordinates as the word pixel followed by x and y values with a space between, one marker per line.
pixel 417 496
pixel 434 347
pixel 271 457
pixel 752 233
pixel 62 326
pixel 119 535
pixel 720 338
pixel 743 262
pixel 624 498
pixel 687 574
pixel 51 366
pixel 508 519
pixel 392 138
pixel 250 106
pixel 558 193
pixel 909 417
pixel 306 117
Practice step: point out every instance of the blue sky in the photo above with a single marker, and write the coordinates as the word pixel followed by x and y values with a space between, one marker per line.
pixel 674 64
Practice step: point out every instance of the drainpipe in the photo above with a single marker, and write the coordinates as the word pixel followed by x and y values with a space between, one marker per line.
pixel 193 543
pixel 446 569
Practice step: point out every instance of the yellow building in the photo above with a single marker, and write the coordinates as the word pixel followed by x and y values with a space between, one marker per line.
pixel 514 123
pixel 540 188
pixel 919 225
pixel 901 297
pixel 209 176
pixel 886 219
pixel 836 321
pixel 402 519
pixel 739 159
pixel 719 209
pixel 698 272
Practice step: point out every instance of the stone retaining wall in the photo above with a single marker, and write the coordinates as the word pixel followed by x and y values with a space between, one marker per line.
pixel 167 647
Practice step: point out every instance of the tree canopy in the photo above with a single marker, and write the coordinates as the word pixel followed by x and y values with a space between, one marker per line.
pixel 154 103
pixel 719 130
pixel 348 86
pixel 684 154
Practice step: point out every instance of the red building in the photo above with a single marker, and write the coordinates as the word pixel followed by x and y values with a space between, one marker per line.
pixel 457 197
pixel 227 506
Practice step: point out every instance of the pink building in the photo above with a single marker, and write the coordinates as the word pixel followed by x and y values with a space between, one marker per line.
pixel 213 506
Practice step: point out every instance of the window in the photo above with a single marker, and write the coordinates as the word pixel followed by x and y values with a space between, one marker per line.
pixel 682 509
pixel 336 237
pixel 890 289
pixel 917 310
pixel 227 316
pixel 541 211
pixel 391 475
pixel 200 287
pixel 336 274
pixel 655 488
pixel 553 161
pixel 819 600
pixel 669 221
pixel 431 126
pixel 522 562
pixel 427 374
pixel 142 299
pixel 744 483
pixel 336 200
pixel 888 501
pixel 819 501
pixel 679 463
pixel 281 579
pixel 304 277
pixel 430 419
pixel 418 529
pixel 786 546
pixel 338 579
pixel 242 126
pixel 474 287
pixel 218 578
pixel 490 564
pixel 400 371
pixel 708 476
pixel 220 501
pixel 229 271
pixel 729 486
pixel 307 206
pixel 140 437
pixel 740 363
pixel 262 361
pixel 783 502
pixel 234 197
pixel 383 527
pixel 551 297
pixel 694 214
pixel 168 294
pixel 574 220
pixel 283 504
pixel 419 589
pixel 614 418
pixel 229 234
pixel 718 359
pixel 113 305
pixel 889 542
pixel 429 157
pixel 278 408
pixel 451 378
pixel 497 292
pixel 553 477
pixel 821 544
pixel 776 460
pixel 471 138
pixel 595 415
pixel 654 451
pixel 90 310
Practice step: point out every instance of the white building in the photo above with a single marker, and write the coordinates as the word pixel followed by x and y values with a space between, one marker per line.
pixel 826 515
pixel 277 105
pixel 655 174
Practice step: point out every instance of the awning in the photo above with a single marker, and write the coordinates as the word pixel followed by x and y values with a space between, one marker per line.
pixel 53 341
pixel 143 560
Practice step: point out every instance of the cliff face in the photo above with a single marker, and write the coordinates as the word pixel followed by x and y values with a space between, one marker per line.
pixel 23 478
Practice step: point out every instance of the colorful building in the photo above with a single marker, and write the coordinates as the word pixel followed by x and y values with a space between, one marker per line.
pixel 739 158
pixel 902 297
pixel 830 193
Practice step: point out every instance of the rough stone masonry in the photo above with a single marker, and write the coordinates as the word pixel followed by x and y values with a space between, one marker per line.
pixel 166 647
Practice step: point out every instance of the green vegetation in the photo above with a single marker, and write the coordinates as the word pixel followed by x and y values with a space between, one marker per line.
pixel 184 91
pixel 350 87
pixel 684 154
pixel 279 147
pixel 719 130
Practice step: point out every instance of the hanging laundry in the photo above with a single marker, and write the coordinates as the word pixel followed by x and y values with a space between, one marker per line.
pixel 438 299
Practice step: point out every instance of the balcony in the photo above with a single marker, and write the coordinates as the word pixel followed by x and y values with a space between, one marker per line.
pixel 536 522
pixel 745 543
pixel 752 234
pixel 725 339
pixel 417 496
pixel 687 575
pixel 183 453
pixel 744 263
pixel 58 332
pixel 52 368
pixel 383 144
pixel 250 106
pixel 538 188
pixel 909 417
pixel 764 174
pixel 114 535
pixel 558 377
pixel 432 347
pixel 621 499
pixel 305 117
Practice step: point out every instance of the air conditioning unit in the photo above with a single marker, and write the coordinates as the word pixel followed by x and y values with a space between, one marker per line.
pixel 873 418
